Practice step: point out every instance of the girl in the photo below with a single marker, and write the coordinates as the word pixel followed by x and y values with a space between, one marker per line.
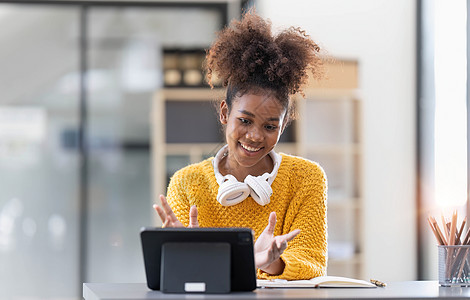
pixel 247 184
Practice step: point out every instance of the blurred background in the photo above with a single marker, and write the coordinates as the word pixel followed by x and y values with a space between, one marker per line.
pixel 101 101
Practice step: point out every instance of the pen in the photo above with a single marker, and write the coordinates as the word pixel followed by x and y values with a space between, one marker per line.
pixel 378 283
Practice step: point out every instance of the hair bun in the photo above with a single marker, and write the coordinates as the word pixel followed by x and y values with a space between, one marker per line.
pixel 246 53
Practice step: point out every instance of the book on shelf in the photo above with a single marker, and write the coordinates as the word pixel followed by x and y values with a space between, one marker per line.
pixel 317 282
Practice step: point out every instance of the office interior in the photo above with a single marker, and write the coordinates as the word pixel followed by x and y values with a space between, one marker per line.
pixel 101 101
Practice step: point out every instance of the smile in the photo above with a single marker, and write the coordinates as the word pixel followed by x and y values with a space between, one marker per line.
pixel 248 148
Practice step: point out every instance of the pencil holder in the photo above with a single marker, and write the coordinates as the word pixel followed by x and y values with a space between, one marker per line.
pixel 454 266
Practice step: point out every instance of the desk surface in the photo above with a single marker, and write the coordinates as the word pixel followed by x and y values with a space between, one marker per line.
pixel 394 290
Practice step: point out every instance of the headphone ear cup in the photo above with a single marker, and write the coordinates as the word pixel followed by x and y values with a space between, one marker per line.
pixel 261 190
pixel 232 192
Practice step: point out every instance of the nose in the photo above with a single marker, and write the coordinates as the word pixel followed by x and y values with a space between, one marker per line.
pixel 254 134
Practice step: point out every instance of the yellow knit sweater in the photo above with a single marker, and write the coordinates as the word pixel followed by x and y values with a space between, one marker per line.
pixel 299 200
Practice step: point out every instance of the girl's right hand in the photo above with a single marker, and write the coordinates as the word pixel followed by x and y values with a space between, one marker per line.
pixel 169 218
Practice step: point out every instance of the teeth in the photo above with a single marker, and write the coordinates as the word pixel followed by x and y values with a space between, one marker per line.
pixel 249 148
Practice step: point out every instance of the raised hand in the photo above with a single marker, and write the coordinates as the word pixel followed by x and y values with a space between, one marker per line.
pixel 169 218
pixel 268 248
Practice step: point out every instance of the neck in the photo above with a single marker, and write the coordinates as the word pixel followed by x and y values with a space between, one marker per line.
pixel 229 165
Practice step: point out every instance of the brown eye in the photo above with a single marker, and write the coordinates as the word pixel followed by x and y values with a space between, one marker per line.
pixel 270 127
pixel 244 121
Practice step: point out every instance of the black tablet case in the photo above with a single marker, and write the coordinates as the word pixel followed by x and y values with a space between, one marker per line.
pixel 195 267
pixel 241 266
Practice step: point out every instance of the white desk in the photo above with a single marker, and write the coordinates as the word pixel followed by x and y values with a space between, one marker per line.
pixel 394 290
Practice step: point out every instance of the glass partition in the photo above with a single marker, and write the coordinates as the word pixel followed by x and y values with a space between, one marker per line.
pixel 39 162
pixel 44 184
pixel 125 69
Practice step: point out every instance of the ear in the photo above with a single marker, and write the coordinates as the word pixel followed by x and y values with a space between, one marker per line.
pixel 223 116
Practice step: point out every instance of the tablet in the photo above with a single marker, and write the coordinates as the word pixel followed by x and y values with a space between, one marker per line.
pixel 239 242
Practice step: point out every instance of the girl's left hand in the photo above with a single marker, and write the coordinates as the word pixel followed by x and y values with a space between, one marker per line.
pixel 268 248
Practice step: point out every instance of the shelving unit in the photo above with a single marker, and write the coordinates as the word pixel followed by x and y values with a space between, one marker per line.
pixel 327 131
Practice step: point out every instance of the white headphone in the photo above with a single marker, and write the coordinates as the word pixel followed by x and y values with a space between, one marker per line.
pixel 232 192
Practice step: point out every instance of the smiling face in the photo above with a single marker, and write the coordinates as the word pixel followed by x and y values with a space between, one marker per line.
pixel 254 125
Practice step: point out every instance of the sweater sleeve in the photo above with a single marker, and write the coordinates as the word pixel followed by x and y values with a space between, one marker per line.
pixel 306 255
pixel 177 196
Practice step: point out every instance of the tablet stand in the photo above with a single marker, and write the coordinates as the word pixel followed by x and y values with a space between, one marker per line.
pixel 195 268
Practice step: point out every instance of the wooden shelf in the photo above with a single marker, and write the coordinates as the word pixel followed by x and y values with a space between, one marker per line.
pixel 356 259
pixel 192 94
pixel 345 203
pixel 353 148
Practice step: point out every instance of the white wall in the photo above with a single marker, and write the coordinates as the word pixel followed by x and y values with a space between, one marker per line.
pixel 381 35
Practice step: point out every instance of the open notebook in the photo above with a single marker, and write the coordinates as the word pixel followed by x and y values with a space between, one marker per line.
pixel 322 281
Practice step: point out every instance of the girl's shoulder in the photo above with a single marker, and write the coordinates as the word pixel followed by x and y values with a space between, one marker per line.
pixel 301 172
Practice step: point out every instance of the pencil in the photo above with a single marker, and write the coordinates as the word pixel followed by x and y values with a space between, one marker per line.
pixel 436 234
pixel 451 257
pixel 466 240
pixel 446 231
pixel 453 226
pixel 459 234
pixel 439 231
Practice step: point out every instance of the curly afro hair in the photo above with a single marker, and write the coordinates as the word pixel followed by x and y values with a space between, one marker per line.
pixel 247 57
